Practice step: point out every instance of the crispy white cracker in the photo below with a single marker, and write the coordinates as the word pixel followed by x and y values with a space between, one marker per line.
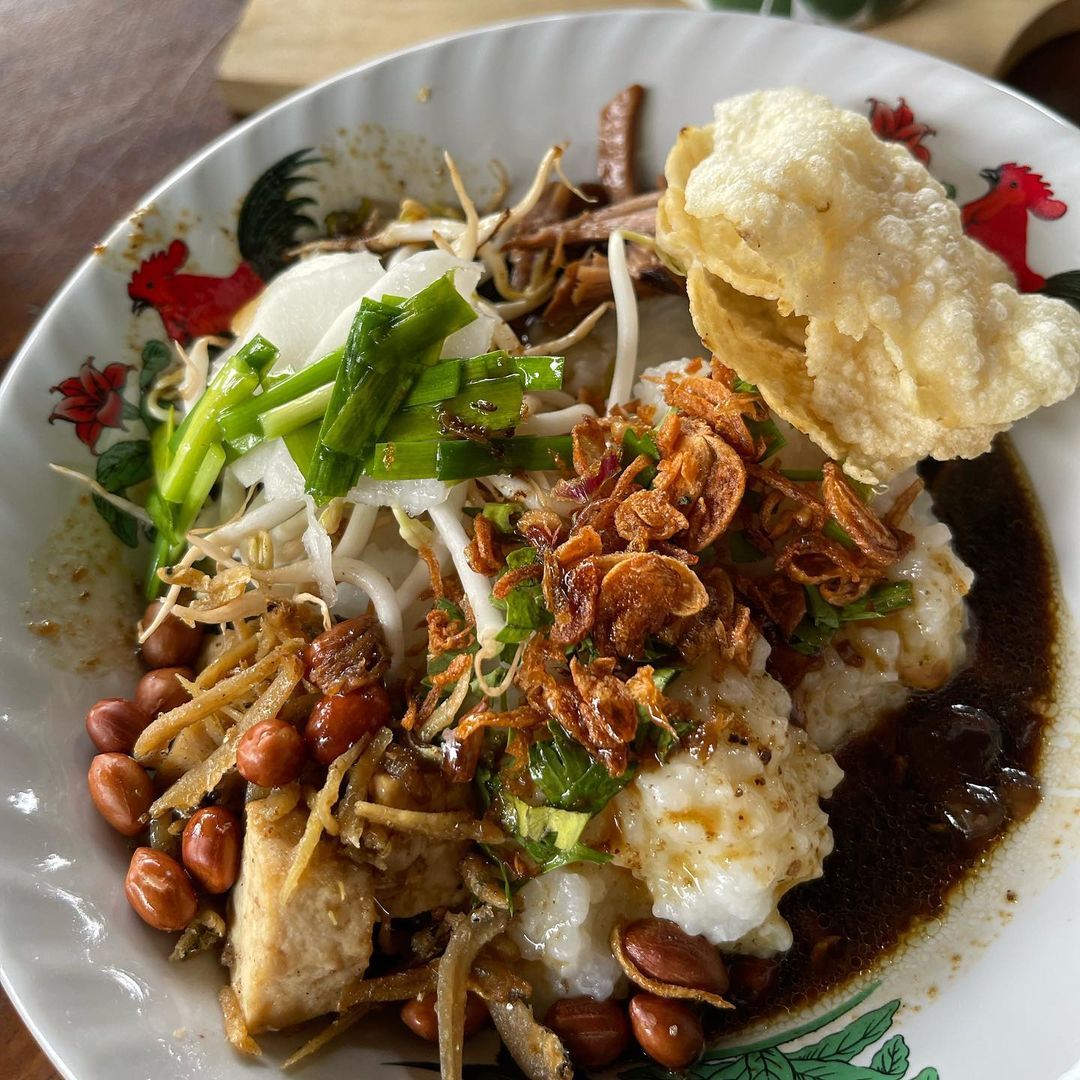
pixel 916 342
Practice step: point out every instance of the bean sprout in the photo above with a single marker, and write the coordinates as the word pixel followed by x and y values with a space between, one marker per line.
pixel 357 531
pixel 383 599
pixel 468 240
pixel 626 316
pixel 268 516
pixel 558 422
pixel 118 501
pixel 568 340
pixel 447 521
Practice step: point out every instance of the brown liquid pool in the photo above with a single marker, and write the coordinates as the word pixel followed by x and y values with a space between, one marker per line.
pixel 932 790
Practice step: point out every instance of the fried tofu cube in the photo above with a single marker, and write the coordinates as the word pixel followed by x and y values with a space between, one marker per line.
pixel 290 962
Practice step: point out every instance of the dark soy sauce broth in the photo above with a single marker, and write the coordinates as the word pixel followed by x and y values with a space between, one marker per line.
pixel 931 791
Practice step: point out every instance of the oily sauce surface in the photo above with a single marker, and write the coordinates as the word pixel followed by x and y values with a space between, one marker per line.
pixel 929 793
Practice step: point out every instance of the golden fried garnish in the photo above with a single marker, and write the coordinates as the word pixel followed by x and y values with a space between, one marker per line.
pixel 830 268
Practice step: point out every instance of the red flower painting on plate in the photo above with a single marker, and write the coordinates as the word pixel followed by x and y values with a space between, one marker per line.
pixel 93 400
pixel 899 125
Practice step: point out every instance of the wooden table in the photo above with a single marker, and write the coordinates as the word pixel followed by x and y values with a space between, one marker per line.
pixel 98 100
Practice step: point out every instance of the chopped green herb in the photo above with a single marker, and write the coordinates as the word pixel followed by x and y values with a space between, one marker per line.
pixel 741 386
pixel 568 776
pixel 387 348
pixel 462 459
pixel 301 446
pixel 488 407
pixel 819 609
pixel 499 514
pixel 824 619
pixel 741 549
pixel 633 445
pixel 880 601
pixel 864 491
pixel 770 433
pixel 525 612
pixel 237 380
pixel 244 419
pixel 522 556
pixel 563 827
pixel 837 532
pixel 803 475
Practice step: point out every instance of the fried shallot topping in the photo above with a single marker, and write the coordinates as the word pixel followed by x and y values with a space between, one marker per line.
pixel 346 657
pixel 643 576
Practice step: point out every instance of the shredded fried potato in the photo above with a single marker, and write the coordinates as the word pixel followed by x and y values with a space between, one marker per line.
pixel 338 1026
pixel 400 986
pixel 319 818
pixel 235 1029
pixel 278 803
pixel 328 796
pixel 170 724
pixel 442 825
pixel 205 931
pixel 197 783
pixel 232 657
pixel 351 826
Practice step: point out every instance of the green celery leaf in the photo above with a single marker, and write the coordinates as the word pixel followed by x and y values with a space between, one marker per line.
pixel 741 549
pixel 820 610
pixel 568 776
pixel 519 557
pixel 562 828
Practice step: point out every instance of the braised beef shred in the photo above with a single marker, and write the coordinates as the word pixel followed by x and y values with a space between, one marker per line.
pixel 932 790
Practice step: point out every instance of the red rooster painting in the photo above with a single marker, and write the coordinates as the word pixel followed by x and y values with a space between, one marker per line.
pixel 999 219
pixel 194 305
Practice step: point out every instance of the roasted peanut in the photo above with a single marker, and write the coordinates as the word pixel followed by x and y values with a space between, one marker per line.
pixel 339 720
pixel 121 791
pixel 665 952
pixel 211 848
pixel 172 644
pixel 419 1016
pixel 669 1031
pixel 159 890
pixel 159 691
pixel 271 754
pixel 752 978
pixel 594 1032
pixel 114 724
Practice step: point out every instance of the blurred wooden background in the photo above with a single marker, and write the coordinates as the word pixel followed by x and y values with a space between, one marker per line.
pixel 101 98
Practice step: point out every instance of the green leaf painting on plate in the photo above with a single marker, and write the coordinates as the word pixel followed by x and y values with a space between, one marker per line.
pixel 830 1058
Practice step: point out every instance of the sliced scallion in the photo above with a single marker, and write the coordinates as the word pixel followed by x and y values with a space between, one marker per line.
pixel 291 415
pixel 237 379
pixel 243 419
pixel 482 407
pixel 386 350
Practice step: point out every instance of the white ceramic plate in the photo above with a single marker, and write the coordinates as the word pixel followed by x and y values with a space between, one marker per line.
pixel 989 992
